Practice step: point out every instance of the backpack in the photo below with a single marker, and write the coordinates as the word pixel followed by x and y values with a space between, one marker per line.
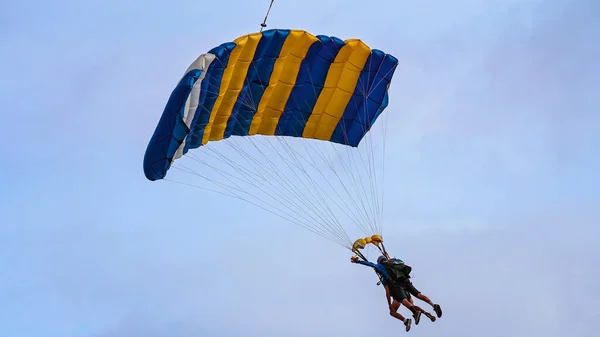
pixel 399 271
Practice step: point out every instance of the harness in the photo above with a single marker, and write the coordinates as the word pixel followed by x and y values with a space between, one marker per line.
pixel 399 271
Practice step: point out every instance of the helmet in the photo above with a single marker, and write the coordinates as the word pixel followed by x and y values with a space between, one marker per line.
pixel 381 259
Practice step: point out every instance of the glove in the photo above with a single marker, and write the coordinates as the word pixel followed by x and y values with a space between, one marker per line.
pixel 354 259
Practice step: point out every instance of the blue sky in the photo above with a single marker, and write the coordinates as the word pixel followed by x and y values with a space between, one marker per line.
pixel 494 112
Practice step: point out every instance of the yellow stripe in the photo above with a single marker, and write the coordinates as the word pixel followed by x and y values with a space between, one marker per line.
pixel 281 82
pixel 231 86
pixel 339 86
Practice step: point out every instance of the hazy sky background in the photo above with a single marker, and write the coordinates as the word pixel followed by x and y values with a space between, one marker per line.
pixel 495 117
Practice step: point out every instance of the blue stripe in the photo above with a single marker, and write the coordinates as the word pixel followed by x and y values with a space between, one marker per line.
pixel 377 102
pixel 256 82
pixel 356 104
pixel 171 129
pixel 372 85
pixel 209 91
pixel 309 83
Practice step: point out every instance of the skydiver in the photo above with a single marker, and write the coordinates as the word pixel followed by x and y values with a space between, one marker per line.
pixel 411 290
pixel 396 292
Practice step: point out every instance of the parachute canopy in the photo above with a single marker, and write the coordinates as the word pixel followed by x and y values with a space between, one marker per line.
pixel 275 83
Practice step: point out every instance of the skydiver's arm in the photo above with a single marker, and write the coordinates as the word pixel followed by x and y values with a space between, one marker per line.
pixel 366 263
pixel 374 266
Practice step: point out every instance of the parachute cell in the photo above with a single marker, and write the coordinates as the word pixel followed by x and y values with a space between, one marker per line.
pixel 273 83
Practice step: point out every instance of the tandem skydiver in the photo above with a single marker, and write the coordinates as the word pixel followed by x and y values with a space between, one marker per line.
pixel 395 279
pixel 390 292
pixel 402 271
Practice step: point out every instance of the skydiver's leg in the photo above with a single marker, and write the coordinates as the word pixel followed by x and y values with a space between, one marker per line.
pixel 424 298
pixel 417 310
pixel 430 316
pixel 407 303
pixel 401 295
pixel 410 288
pixel 436 307
pixel 394 313
pixel 413 308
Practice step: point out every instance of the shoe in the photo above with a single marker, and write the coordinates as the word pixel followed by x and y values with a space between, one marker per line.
pixel 438 310
pixel 407 324
pixel 430 316
pixel 417 317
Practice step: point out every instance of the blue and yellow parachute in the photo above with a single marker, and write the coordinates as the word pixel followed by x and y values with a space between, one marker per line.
pixel 277 82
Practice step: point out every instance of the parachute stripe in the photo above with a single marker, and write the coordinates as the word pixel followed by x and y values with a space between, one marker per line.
pixel 257 80
pixel 339 87
pixel 281 83
pixel 372 85
pixel 171 129
pixel 231 86
pixel 209 94
pixel 309 83
pixel 193 101
pixel 314 88
pixel 356 104
pixel 377 99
